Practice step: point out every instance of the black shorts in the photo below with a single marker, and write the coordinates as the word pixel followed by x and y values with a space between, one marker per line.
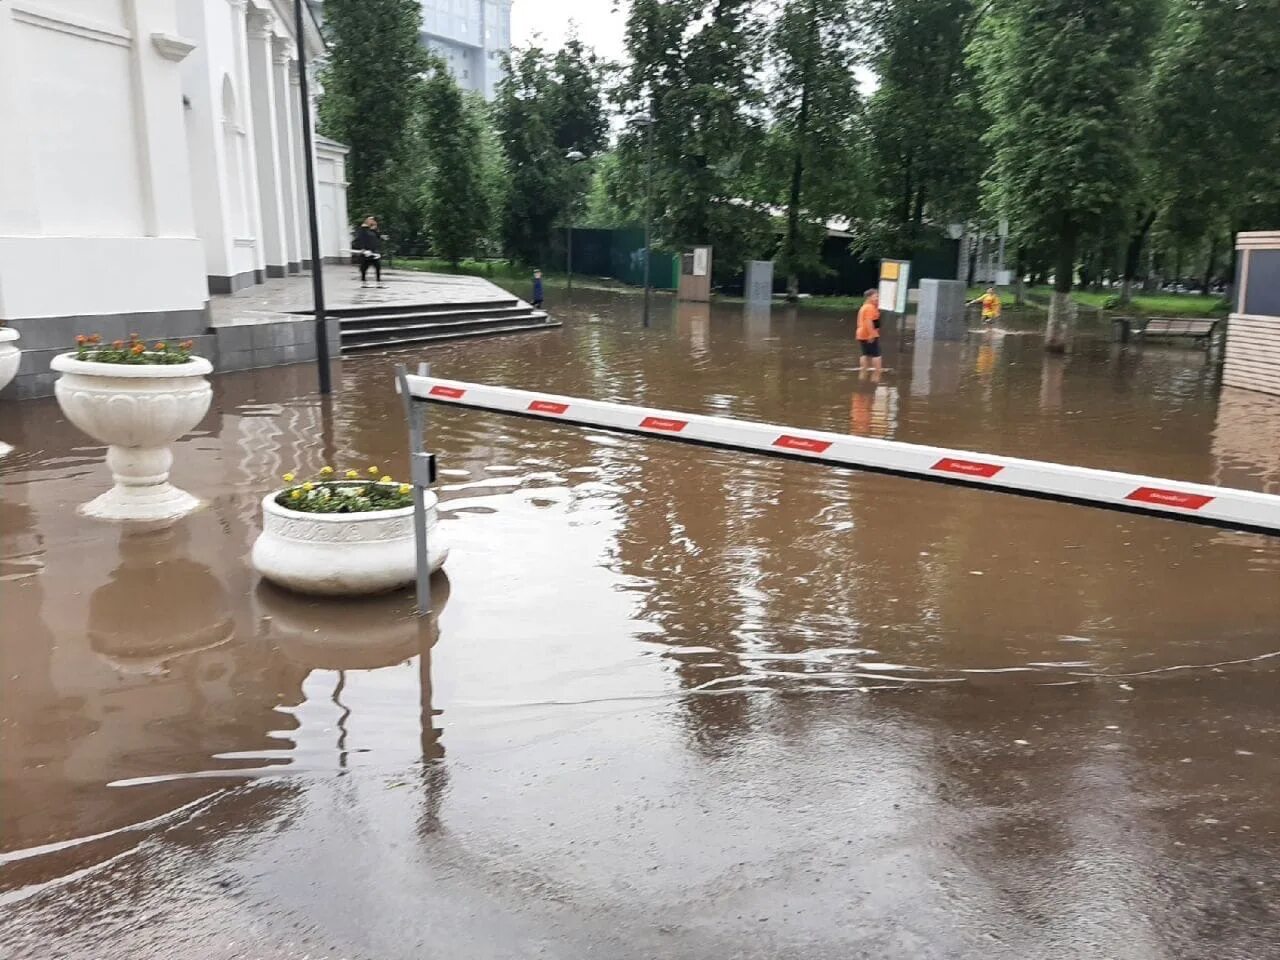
pixel 870 348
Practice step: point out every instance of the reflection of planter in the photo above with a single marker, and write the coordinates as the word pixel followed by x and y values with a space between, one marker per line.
pixel 363 634
pixel 343 554
pixel 10 357
pixel 158 603
pixel 137 410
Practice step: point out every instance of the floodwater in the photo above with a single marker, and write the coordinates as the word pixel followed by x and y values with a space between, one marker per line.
pixel 678 702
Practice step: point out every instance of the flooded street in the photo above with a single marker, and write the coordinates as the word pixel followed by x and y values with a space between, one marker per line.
pixel 679 702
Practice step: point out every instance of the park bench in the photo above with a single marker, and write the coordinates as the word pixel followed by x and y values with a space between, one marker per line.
pixel 1199 329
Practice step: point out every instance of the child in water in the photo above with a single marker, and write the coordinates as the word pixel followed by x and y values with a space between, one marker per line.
pixel 537 289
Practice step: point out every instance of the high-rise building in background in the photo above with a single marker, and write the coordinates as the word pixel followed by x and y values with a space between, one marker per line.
pixel 472 37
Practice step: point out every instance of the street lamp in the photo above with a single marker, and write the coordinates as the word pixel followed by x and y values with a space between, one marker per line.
pixel 573 156
pixel 317 278
pixel 645 121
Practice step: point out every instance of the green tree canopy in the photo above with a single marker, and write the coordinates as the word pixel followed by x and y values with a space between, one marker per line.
pixel 372 88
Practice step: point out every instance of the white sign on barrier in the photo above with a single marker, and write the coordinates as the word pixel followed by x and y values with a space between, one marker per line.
pixel 1193 502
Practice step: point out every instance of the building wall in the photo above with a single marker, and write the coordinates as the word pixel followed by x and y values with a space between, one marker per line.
pixel 471 36
pixel 150 154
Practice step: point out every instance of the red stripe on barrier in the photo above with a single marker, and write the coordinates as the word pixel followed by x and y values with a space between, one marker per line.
pixel 662 423
pixel 453 393
pixel 970 468
pixel 1170 498
pixel 788 442
pixel 547 406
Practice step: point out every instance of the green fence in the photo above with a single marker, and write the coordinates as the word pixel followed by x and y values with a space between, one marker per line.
pixel 619 254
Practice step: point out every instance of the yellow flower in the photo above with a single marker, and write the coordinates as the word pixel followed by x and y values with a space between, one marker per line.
pixel 405 488
pixel 308 486
pixel 288 478
pixel 386 479
pixel 326 471
pixel 352 474
pixel 374 471
pixel 296 495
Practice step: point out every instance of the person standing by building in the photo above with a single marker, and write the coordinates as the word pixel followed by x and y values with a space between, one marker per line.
pixel 537 289
pixel 868 332
pixel 368 247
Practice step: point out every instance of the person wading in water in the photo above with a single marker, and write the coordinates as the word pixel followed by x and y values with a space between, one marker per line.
pixel 869 332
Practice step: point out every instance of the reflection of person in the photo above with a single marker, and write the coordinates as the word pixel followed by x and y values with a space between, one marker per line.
pixel 368 246
pixel 537 289
pixel 990 305
pixel 869 332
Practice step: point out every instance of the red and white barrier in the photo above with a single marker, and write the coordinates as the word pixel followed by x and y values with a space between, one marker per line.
pixel 1194 502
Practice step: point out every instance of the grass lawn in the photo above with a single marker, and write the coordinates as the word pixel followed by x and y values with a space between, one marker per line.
pixel 1144 304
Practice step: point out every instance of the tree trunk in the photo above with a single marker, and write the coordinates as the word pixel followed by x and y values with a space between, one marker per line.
pixel 1211 266
pixel 1020 290
pixel 1062 308
pixel 792 250
pixel 1133 255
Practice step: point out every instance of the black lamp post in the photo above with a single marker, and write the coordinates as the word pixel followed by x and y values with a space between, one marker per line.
pixel 313 223
pixel 646 121
pixel 574 157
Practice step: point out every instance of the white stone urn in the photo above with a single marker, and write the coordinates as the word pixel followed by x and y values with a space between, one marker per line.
pixel 138 410
pixel 10 357
pixel 344 554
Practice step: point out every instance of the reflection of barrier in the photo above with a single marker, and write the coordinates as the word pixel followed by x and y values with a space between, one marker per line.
pixel 1192 502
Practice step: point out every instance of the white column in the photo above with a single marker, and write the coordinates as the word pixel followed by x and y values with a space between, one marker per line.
pixel 266 144
pixel 300 173
pixel 157 51
pixel 19 215
pixel 286 109
pixel 240 38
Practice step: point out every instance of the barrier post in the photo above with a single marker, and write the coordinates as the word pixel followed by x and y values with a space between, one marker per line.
pixel 421 475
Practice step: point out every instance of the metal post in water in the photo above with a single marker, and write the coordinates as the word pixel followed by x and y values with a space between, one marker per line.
pixel 420 477
pixel 317 275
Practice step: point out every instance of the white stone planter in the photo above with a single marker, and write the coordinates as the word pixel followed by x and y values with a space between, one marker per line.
pixel 343 554
pixel 10 357
pixel 138 411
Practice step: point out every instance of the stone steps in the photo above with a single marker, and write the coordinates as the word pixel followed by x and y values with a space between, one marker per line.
pixel 387 326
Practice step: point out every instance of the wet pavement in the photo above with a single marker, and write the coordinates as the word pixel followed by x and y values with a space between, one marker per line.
pixel 679 702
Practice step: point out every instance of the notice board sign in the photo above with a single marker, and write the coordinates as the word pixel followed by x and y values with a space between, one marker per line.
pixel 895 277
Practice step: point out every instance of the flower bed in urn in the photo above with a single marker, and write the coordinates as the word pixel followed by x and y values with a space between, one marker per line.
pixel 137 399
pixel 343 534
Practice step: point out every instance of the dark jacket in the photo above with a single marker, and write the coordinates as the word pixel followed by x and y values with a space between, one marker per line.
pixel 367 239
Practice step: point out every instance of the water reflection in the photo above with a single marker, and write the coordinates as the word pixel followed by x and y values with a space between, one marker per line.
pixel 158 602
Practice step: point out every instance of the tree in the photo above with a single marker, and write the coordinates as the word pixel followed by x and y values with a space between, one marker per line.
pixel 924 124
pixel 372 87
pixel 545 107
pixel 1215 109
pixel 457 211
pixel 1059 79
pixel 814 99
pixel 694 68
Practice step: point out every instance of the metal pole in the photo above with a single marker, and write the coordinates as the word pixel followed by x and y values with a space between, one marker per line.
pixel 419 469
pixel 648 214
pixel 317 278
pixel 570 255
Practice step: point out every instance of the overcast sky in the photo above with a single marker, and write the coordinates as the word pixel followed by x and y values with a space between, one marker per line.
pixel 599 24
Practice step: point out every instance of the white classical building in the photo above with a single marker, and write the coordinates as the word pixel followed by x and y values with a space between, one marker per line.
pixel 150 155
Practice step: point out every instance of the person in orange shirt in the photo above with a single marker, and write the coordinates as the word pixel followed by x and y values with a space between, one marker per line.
pixel 869 331
pixel 990 305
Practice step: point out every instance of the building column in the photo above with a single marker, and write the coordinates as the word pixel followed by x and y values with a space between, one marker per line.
pixel 240 38
pixel 19 215
pixel 271 236
pixel 286 108
pixel 300 175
